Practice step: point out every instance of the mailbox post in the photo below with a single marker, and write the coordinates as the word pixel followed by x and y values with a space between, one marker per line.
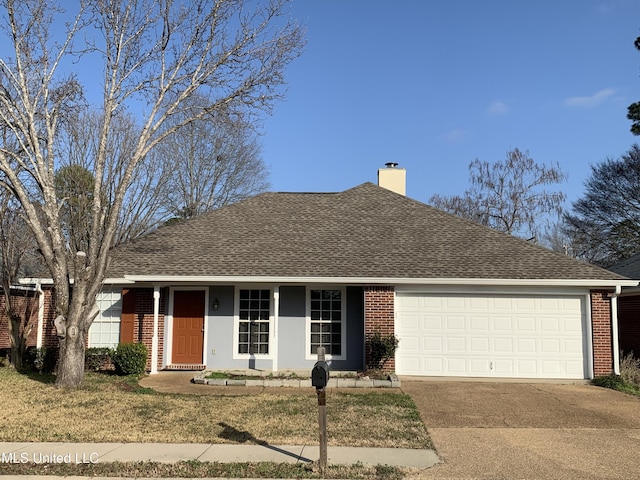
pixel 319 379
pixel 320 375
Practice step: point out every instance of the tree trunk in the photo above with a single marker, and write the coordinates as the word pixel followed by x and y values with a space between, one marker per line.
pixel 71 360
pixel 16 356
pixel 17 341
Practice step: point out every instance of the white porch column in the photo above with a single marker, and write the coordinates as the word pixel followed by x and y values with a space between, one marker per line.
pixel 154 338
pixel 276 314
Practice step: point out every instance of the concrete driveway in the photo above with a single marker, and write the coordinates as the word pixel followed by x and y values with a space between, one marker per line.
pixel 528 430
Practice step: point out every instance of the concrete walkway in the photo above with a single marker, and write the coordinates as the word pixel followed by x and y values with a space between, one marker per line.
pixel 76 453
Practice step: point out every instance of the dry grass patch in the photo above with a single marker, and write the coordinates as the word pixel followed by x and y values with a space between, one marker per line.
pixel 378 415
pixel 113 409
pixel 630 369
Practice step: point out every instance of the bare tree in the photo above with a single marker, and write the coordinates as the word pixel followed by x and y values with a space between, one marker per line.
pixel 16 256
pixel 607 217
pixel 215 161
pixel 569 242
pixel 143 207
pixel 509 196
pixel 633 111
pixel 74 188
pixel 153 56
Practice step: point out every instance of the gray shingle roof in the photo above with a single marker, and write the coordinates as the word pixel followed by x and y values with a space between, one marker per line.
pixel 363 232
pixel 629 267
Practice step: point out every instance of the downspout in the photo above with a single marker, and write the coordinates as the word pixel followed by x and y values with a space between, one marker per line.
pixel 39 332
pixel 614 330
pixel 590 337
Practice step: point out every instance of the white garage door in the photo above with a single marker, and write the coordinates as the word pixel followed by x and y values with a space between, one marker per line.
pixel 491 336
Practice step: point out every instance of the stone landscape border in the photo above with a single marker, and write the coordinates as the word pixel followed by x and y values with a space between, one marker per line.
pixel 337 382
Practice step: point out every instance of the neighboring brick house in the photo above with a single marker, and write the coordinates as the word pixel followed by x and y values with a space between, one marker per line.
pixel 35 305
pixel 629 307
pixel 263 282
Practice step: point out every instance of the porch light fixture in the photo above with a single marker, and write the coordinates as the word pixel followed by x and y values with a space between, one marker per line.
pixel 216 304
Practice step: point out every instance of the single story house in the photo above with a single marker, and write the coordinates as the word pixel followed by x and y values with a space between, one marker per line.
pixel 629 306
pixel 263 282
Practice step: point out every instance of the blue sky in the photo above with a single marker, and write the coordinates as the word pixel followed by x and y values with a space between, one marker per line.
pixel 433 85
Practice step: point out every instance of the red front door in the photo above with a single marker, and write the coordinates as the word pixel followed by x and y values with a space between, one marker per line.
pixel 188 326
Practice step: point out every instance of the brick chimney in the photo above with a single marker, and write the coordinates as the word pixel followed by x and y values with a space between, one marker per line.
pixel 393 178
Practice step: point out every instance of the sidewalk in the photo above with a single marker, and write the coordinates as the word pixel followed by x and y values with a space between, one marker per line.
pixel 74 453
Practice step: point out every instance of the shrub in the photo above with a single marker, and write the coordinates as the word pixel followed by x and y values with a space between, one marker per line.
pixel 42 360
pixel 616 382
pixel 130 358
pixel 630 369
pixel 381 349
pixel 5 354
pixel 97 358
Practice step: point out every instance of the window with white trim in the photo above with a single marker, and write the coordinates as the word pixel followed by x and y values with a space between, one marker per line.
pixel 254 320
pixel 326 314
pixel 105 329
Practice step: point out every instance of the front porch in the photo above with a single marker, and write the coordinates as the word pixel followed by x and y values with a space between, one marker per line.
pixel 265 327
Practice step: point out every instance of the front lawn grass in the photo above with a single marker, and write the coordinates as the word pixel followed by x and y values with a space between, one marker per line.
pixel 195 469
pixel 116 409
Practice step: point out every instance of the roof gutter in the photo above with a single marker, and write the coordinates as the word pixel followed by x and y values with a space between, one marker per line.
pixel 35 280
pixel 511 282
pixel 24 289
pixel 49 281
pixel 590 283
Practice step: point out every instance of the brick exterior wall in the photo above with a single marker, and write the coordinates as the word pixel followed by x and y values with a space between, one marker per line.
pixel 143 324
pixel 629 324
pixel 26 303
pixel 49 337
pixel 22 301
pixel 602 338
pixel 379 316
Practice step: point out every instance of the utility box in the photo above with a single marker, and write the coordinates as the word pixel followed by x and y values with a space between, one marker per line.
pixel 320 374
